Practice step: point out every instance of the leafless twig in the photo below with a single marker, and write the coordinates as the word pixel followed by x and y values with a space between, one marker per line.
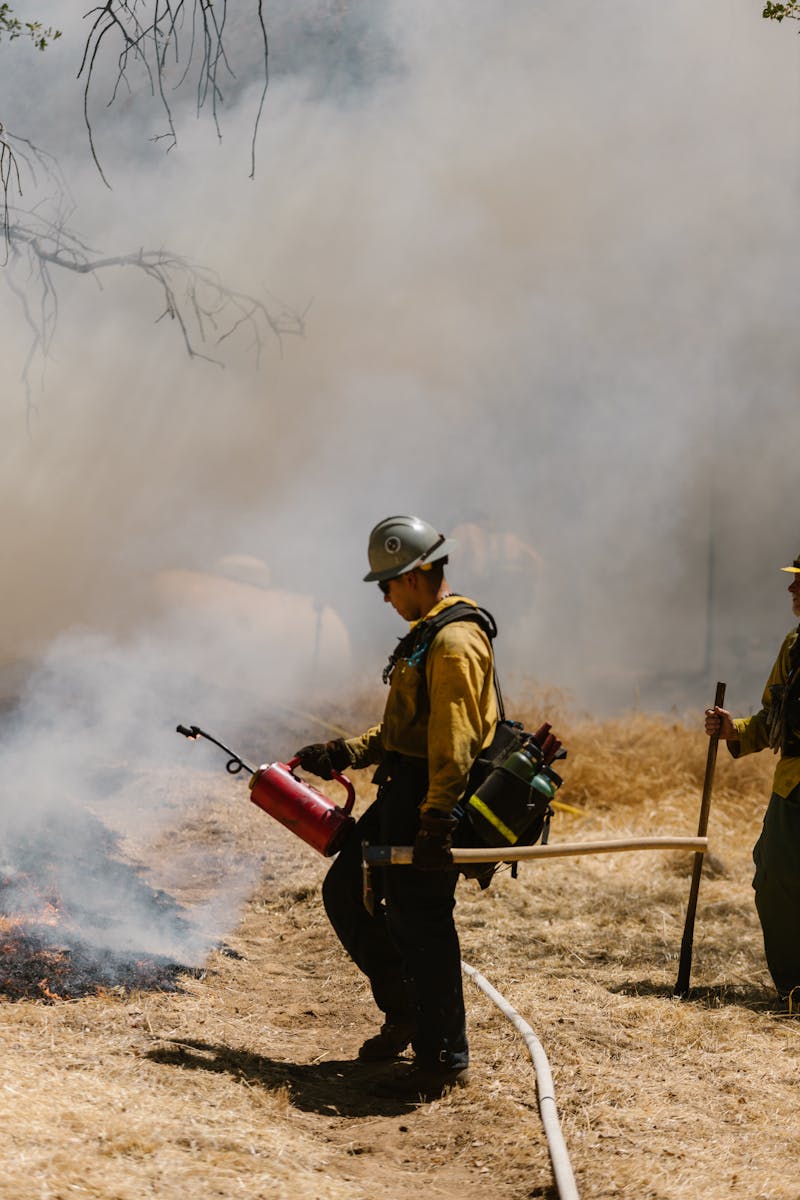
pixel 207 311
pixel 156 33
pixel 9 178
pixel 21 159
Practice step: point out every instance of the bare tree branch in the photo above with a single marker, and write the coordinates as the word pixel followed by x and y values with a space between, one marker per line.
pixel 188 33
pixel 39 242
pixel 263 97
pixel 206 310
pixel 38 167
pixel 9 177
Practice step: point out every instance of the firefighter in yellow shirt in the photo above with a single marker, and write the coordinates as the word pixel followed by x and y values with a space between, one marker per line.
pixel 777 852
pixel 441 711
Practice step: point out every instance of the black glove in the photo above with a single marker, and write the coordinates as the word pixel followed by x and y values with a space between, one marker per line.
pixel 434 841
pixel 323 758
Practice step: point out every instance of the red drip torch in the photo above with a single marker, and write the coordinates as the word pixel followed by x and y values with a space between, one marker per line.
pixel 276 789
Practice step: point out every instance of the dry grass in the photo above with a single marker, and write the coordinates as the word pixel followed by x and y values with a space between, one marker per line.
pixel 244 1083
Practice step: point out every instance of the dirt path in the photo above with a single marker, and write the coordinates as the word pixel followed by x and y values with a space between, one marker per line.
pixel 300 1013
pixel 245 1082
pixel 291 1011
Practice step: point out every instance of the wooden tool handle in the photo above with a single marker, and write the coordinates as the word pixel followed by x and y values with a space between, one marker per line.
pixel 685 964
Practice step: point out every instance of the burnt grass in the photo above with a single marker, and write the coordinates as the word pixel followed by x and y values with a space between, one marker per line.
pixel 68 899
pixel 33 968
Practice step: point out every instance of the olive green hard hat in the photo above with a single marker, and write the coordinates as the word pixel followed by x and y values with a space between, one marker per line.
pixel 399 544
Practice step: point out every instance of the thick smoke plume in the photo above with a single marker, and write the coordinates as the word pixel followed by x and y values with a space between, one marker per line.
pixel 548 259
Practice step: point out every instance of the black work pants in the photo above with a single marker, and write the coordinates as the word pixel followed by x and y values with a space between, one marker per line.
pixel 409 949
pixel 776 855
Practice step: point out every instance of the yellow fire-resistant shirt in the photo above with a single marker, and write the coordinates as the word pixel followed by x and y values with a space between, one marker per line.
pixel 447 717
pixel 753 733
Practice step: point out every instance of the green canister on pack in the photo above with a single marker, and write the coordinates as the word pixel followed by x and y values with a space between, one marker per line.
pixel 513 799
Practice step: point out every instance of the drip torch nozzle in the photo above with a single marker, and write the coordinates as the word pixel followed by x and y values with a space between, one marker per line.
pixel 234 765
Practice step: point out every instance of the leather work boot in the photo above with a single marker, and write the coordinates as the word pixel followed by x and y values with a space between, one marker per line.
pixel 423 1083
pixel 389 1043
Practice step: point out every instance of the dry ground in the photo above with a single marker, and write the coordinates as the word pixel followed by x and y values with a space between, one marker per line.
pixel 245 1082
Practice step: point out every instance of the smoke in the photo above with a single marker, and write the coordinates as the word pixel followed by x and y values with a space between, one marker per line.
pixel 89 767
pixel 547 256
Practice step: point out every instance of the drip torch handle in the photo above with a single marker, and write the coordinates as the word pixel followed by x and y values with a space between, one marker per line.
pixel 342 779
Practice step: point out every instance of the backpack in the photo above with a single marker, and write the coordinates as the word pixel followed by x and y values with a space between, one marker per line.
pixel 509 789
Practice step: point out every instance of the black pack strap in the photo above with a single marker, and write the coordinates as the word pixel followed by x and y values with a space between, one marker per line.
pixel 482 617
pixel 501 708
pixel 414 646
pixel 402 650
pixel 794 655
pixel 786 720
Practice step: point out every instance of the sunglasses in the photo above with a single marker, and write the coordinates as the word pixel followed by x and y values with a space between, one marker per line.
pixel 384 584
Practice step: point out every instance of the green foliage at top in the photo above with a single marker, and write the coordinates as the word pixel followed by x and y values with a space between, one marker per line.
pixel 776 12
pixel 11 27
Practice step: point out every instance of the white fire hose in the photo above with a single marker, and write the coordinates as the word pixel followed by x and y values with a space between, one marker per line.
pixel 559 1157
pixel 399 855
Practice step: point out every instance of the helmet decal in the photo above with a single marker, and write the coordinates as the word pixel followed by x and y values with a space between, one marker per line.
pixel 392 544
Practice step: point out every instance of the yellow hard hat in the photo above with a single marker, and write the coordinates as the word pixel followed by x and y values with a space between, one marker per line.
pixel 794 569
